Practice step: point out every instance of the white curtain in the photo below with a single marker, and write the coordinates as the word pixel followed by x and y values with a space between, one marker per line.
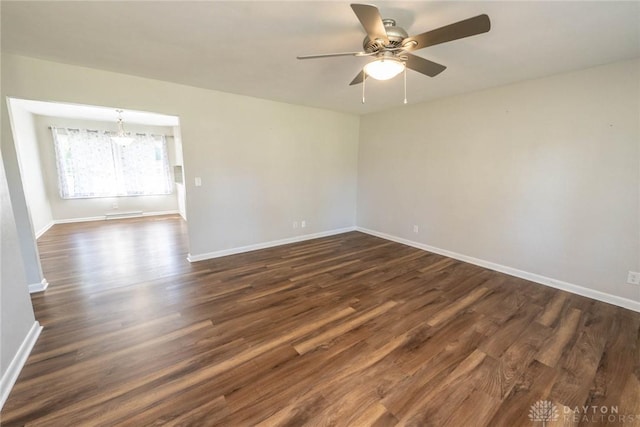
pixel 144 166
pixel 90 164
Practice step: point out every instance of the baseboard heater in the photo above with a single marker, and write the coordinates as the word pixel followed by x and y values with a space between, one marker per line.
pixel 119 215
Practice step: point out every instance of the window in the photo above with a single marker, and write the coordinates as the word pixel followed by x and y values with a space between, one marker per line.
pixel 91 165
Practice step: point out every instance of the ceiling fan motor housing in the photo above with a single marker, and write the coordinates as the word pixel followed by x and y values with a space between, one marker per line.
pixel 395 35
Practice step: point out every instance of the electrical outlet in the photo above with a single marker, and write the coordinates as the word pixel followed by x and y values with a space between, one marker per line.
pixel 633 278
pixel 295 224
pixel 198 181
pixel 303 223
pixel 416 229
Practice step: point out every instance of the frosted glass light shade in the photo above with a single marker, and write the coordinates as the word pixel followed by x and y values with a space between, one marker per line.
pixel 122 140
pixel 384 68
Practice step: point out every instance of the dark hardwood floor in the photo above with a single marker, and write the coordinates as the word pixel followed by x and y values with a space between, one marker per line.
pixel 344 330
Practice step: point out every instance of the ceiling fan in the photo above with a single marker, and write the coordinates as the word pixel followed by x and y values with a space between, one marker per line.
pixel 390 44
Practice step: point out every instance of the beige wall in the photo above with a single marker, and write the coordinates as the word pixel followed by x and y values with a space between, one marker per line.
pixel 263 164
pixel 16 314
pixel 21 216
pixel 31 168
pixel 540 176
pixel 180 186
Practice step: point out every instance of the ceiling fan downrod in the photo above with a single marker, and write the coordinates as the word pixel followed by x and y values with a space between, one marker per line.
pixel 364 78
pixel 405 85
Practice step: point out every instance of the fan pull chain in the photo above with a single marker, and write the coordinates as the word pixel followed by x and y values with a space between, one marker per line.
pixel 405 85
pixel 364 79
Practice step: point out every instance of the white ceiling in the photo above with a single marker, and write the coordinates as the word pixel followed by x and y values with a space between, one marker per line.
pixel 92 112
pixel 250 47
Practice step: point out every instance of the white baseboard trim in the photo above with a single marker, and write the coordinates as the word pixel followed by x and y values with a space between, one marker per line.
pixel 44 229
pixel 39 287
pixel 255 247
pixel 533 277
pixel 13 370
pixel 104 217
pixel 174 212
pixel 122 214
pixel 84 219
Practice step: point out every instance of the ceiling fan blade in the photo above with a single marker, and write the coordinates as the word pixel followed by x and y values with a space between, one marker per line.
pixel 359 78
pixel 329 55
pixel 469 27
pixel 424 66
pixel 371 20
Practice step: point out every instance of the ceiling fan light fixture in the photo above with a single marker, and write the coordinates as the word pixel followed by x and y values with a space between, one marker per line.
pixel 121 137
pixel 384 68
pixel 122 140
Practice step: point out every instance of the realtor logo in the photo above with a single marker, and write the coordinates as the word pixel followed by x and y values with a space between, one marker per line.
pixel 543 411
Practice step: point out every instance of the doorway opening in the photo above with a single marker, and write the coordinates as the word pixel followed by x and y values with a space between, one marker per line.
pixel 72 167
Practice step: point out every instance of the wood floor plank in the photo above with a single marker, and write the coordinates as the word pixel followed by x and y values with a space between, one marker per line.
pixel 582 360
pixel 476 410
pixel 345 330
pixel 565 333
pixel 629 404
pixel 437 404
pixel 518 356
pixel 311 343
pixel 552 310
pixel 458 306
pixel 534 384
pixel 375 415
pixel 208 414
pixel 404 400
pixel 509 330
pixel 300 412
pixel 621 356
